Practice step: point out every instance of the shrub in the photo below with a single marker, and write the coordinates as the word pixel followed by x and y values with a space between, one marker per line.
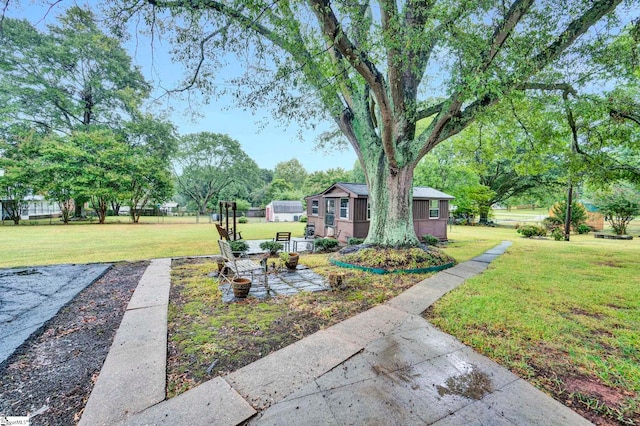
pixel 557 234
pixel 583 229
pixel 552 222
pixel 578 213
pixel 239 246
pixel 303 219
pixel 532 231
pixel 620 205
pixel 325 244
pixel 355 241
pixel 242 219
pixel 271 246
pixel 430 240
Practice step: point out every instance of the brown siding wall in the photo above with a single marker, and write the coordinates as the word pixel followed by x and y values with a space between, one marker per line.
pixel 420 209
pixel 359 209
pixel 357 226
pixel 318 220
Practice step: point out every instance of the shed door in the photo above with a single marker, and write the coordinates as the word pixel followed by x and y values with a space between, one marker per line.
pixel 330 216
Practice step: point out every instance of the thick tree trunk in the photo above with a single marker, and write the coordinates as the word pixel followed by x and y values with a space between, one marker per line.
pixel 78 208
pixel 100 207
pixel 391 199
pixel 484 215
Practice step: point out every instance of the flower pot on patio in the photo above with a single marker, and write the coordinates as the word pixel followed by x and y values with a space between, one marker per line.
pixel 241 287
pixel 292 261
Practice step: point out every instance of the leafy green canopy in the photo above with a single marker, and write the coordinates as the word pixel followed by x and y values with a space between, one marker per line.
pixel 377 68
pixel 70 76
pixel 208 164
pixel 70 115
pixel 620 204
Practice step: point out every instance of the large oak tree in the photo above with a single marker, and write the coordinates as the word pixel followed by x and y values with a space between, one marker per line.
pixel 377 68
pixel 70 78
pixel 208 163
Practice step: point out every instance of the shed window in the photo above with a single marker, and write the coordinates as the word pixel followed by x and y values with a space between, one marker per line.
pixel 344 208
pixel 434 209
pixel 314 207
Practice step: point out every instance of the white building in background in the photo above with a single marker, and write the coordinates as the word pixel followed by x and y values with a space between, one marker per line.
pixel 284 211
pixel 37 208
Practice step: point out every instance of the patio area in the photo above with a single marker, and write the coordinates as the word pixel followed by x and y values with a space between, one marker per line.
pixel 283 282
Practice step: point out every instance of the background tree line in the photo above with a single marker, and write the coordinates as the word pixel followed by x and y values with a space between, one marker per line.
pixel 74 126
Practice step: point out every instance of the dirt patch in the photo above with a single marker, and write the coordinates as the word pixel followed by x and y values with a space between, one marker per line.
pixel 590 314
pixel 610 263
pixel 593 400
pixel 52 373
pixel 590 386
pixel 473 385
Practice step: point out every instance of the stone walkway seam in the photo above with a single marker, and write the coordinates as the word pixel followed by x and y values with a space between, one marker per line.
pixel 133 376
pixel 296 370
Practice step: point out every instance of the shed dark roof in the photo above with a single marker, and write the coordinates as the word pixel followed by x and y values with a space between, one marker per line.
pixel 287 206
pixel 361 189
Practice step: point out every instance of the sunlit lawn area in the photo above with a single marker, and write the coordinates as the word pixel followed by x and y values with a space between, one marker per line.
pixel 85 242
pixel 565 316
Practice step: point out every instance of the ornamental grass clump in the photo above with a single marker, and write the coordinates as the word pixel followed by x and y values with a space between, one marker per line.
pixel 271 246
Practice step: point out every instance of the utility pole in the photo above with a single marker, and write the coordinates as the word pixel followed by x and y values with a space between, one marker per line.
pixel 567 219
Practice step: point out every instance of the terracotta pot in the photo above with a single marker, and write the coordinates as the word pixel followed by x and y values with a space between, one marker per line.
pixel 292 263
pixel 241 287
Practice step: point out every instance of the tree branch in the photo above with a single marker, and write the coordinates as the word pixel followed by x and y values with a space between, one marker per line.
pixel 428 112
pixel 565 87
pixel 502 32
pixel 574 30
pixel 617 114
pixel 332 29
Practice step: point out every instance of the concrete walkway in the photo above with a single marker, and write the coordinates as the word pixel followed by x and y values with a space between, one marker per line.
pixel 384 366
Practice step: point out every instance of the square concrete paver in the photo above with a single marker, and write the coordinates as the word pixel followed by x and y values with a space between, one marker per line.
pixel 212 403
pixel 282 373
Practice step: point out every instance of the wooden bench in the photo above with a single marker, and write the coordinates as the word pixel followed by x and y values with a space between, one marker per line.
pixel 236 267
pixel 225 235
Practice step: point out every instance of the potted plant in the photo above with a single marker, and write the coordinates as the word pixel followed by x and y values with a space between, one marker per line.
pixel 271 246
pixel 239 247
pixel 240 287
pixel 290 259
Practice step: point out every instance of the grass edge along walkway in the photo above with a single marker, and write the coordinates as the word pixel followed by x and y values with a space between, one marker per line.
pixel 222 404
pixel 562 315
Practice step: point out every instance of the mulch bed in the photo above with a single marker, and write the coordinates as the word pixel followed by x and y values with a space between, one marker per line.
pixel 51 375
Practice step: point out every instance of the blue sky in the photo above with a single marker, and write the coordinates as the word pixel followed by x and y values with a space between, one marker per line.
pixel 266 145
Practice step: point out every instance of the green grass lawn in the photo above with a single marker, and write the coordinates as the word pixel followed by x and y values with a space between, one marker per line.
pixel 564 316
pixel 29 245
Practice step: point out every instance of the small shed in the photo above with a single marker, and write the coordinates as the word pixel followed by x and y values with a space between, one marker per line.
pixel 342 211
pixel 169 208
pixel 284 211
